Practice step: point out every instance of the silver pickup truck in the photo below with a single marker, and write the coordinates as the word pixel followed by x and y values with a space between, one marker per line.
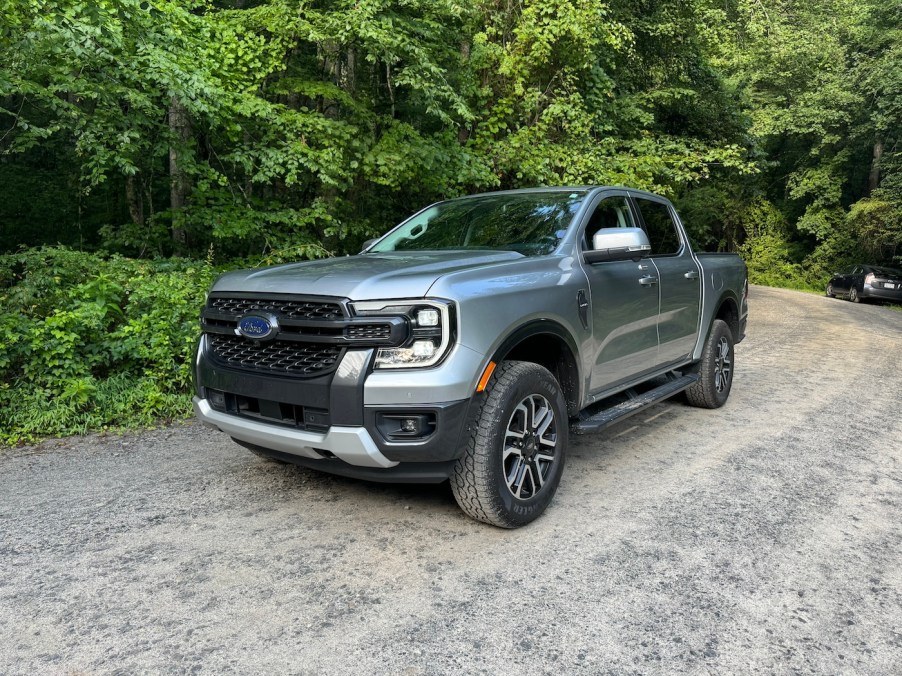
pixel 469 341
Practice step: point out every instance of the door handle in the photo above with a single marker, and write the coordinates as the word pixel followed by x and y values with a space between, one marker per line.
pixel 692 274
pixel 648 281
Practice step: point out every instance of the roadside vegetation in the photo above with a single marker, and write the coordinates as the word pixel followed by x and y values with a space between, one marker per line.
pixel 146 145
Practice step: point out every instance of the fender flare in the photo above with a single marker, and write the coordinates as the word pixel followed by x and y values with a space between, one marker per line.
pixel 538 327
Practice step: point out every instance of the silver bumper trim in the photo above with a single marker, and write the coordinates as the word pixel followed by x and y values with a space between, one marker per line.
pixel 354 445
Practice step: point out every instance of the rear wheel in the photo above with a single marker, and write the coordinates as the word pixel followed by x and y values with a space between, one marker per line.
pixel 515 455
pixel 715 372
pixel 853 295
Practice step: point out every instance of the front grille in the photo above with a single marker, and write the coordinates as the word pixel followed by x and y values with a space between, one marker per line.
pixel 292 309
pixel 279 356
pixel 368 331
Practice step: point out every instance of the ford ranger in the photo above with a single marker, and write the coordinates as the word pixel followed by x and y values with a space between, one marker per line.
pixel 469 341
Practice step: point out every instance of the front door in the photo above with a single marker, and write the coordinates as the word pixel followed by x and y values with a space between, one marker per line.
pixel 624 305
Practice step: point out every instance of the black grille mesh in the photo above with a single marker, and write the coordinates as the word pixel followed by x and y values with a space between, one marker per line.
pixel 279 356
pixel 368 331
pixel 294 309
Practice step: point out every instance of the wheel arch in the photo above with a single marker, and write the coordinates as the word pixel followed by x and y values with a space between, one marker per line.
pixel 728 311
pixel 548 344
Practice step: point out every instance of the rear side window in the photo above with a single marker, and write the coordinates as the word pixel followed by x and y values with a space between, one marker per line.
pixel 662 231
pixel 611 212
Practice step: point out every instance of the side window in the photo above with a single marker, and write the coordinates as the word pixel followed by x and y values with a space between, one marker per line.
pixel 611 212
pixel 662 231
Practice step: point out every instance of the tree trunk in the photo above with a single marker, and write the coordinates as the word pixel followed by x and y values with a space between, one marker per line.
pixel 463 133
pixel 135 203
pixel 874 177
pixel 180 126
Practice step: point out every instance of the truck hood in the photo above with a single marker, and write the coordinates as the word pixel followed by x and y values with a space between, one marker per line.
pixel 396 274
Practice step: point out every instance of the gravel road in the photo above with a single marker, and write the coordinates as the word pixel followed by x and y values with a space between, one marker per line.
pixel 763 537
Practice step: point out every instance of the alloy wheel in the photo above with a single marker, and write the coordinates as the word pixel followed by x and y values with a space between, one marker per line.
pixel 530 445
pixel 723 363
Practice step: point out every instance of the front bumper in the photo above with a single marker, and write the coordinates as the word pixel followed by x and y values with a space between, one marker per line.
pixel 337 421
pixel 353 445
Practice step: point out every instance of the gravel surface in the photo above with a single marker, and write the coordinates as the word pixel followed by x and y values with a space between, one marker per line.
pixel 762 537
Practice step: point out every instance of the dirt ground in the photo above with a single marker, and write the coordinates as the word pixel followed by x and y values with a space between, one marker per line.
pixel 762 537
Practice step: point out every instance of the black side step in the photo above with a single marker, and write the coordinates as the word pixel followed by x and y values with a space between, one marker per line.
pixel 635 403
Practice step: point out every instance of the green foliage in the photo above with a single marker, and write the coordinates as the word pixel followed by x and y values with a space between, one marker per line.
pixel 291 129
pixel 89 341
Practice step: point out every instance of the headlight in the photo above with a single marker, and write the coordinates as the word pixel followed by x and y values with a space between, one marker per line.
pixel 430 335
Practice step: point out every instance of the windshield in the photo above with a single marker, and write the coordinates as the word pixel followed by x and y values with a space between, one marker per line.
pixel 529 223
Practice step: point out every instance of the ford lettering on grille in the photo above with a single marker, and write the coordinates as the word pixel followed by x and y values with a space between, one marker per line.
pixel 256 327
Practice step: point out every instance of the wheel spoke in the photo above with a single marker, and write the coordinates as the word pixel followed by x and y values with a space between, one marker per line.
pixel 520 411
pixel 528 471
pixel 537 478
pixel 545 422
pixel 541 416
pixel 509 451
pixel 515 475
pixel 530 421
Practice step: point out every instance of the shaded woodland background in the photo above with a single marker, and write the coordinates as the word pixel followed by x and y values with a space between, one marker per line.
pixel 147 144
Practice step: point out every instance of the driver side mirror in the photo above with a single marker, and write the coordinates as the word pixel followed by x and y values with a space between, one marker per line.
pixel 367 244
pixel 618 244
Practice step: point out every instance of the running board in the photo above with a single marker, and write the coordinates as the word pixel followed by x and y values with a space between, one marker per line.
pixel 635 403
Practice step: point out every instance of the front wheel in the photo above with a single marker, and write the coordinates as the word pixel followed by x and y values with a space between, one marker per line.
pixel 515 455
pixel 829 292
pixel 715 373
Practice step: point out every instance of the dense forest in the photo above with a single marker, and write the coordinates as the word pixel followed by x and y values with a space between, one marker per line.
pixel 144 144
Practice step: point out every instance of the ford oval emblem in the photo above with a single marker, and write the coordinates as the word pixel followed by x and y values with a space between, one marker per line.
pixel 256 327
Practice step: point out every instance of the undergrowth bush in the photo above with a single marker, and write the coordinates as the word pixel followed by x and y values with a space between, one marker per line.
pixel 90 341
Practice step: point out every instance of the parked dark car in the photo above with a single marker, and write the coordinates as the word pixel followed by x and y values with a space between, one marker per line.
pixel 867 282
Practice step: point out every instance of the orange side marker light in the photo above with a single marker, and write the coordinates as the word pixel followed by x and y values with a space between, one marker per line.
pixel 489 370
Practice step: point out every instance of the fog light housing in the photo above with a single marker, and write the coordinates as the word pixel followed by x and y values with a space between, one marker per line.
pixel 406 426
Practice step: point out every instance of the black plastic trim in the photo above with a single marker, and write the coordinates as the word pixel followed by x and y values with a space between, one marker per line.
pixel 444 444
pixel 346 393
pixel 547 326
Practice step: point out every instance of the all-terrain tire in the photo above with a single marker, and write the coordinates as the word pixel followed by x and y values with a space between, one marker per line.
pixel 506 478
pixel 712 388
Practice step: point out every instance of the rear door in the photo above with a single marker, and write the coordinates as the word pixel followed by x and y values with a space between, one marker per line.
pixel 678 280
pixel 623 305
